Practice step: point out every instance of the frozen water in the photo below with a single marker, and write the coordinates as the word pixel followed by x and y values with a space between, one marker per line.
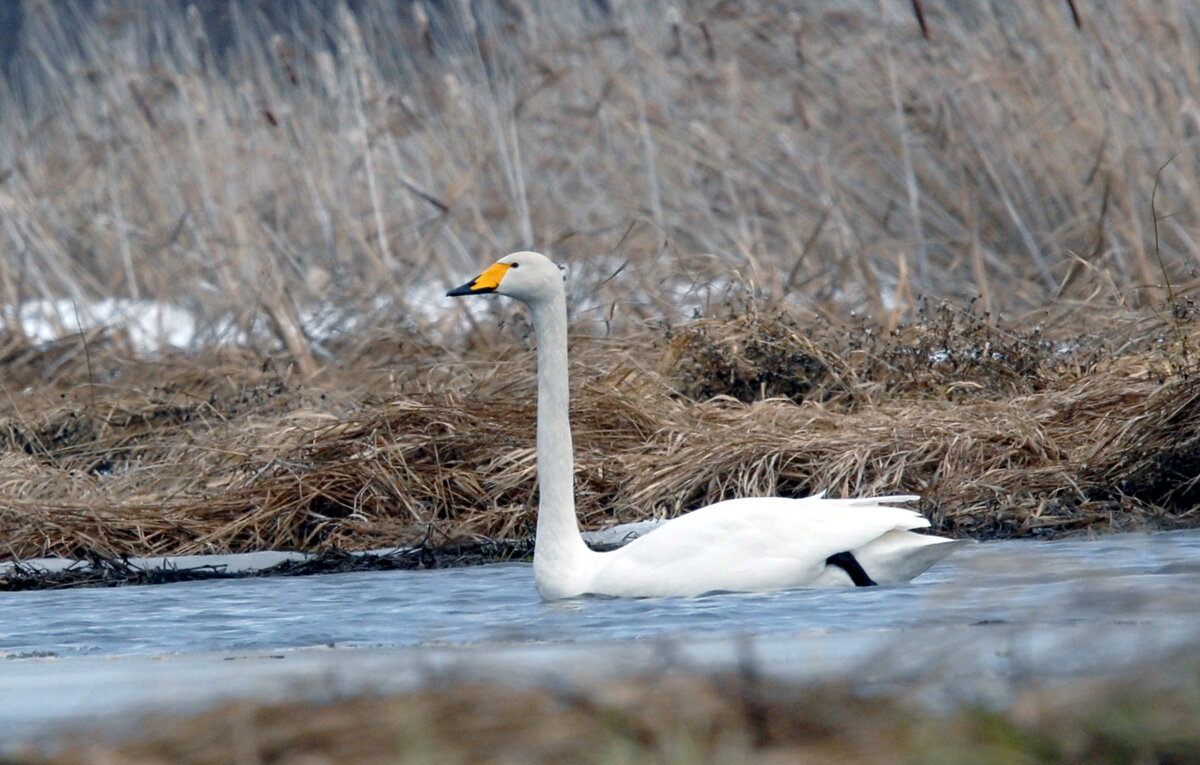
pixel 985 620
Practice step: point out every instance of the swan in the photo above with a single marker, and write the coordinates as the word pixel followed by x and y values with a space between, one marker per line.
pixel 737 545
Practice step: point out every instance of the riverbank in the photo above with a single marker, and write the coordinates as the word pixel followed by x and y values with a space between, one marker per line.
pixel 1006 429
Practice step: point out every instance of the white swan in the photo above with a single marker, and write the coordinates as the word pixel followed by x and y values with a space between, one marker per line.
pixel 741 545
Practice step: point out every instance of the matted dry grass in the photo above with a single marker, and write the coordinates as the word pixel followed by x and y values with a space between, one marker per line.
pixel 1004 432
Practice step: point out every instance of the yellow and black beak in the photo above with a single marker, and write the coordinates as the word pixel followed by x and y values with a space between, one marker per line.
pixel 486 282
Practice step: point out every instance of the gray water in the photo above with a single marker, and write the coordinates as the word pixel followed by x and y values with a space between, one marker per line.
pixel 994 611
pixel 1134 576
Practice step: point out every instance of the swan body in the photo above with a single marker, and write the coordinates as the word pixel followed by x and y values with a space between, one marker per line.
pixel 738 545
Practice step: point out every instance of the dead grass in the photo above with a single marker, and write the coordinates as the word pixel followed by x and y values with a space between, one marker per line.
pixel 678 718
pixel 1003 431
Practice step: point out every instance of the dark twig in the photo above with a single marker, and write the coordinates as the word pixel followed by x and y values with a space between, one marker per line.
pixel 920 14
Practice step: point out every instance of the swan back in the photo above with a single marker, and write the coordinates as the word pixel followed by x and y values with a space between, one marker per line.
pixel 767 543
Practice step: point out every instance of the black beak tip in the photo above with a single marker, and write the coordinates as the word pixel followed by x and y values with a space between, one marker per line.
pixel 464 289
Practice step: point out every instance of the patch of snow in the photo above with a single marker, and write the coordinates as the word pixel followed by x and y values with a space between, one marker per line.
pixel 151 325
pixel 155 326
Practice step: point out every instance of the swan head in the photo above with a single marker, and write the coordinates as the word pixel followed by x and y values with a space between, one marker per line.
pixel 527 276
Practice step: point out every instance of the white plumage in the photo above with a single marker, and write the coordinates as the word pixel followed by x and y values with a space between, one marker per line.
pixel 740 545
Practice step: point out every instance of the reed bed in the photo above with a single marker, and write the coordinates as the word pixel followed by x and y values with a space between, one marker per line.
pixel 816 247
pixel 250 167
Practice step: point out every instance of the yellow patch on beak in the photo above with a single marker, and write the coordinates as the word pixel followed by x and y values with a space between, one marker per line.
pixel 490 279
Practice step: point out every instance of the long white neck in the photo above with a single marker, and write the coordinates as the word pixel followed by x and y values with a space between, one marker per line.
pixel 560 555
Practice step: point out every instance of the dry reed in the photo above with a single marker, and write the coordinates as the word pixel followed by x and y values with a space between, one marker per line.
pixel 827 154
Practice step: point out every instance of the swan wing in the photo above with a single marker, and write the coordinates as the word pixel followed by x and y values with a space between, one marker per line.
pixel 748 544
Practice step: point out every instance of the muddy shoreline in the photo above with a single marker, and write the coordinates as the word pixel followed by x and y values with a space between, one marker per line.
pixel 109 572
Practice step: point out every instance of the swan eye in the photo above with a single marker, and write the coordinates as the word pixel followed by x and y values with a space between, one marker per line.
pixel 513 265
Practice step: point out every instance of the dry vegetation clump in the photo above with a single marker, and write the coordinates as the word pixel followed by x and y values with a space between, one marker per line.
pixel 678 718
pixel 234 453
pixel 759 350
pixel 1028 465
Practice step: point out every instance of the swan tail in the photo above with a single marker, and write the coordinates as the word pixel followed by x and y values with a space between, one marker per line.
pixel 899 556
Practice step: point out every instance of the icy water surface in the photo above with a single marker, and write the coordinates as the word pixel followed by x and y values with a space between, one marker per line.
pixel 978 623
pixel 1135 576
pixel 1143 577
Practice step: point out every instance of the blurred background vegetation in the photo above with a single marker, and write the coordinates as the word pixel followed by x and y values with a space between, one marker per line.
pixel 259 162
